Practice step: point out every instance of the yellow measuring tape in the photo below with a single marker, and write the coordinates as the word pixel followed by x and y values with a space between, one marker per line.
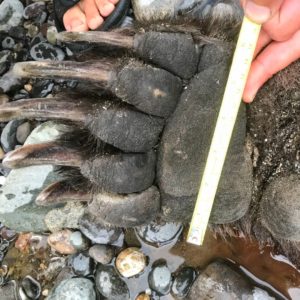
pixel 228 113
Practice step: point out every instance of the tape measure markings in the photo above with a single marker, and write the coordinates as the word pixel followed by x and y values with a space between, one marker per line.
pixel 225 123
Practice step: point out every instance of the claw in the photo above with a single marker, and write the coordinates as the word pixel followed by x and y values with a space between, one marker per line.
pixel 175 52
pixel 97 37
pixel 39 154
pixel 60 192
pixel 151 90
pixel 87 71
pixel 106 120
pixel 52 108
pixel 120 173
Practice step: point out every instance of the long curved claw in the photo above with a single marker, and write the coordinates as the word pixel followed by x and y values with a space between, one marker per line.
pixel 175 52
pixel 98 72
pixel 59 108
pixel 60 192
pixel 97 37
pixel 151 90
pixel 40 154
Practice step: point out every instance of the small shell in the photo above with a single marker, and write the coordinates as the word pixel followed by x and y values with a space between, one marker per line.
pixel 131 262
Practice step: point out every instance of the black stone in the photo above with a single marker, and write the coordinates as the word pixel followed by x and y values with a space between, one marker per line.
pixel 42 88
pixel 183 281
pixel 159 233
pixel 31 288
pixel 98 233
pixel 110 285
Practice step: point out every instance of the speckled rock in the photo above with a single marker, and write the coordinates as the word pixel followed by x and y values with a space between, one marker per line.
pixel 130 262
pixel 23 185
pixel 46 51
pixel 9 82
pixel 65 217
pixel 110 285
pixel 11 12
pixel 73 289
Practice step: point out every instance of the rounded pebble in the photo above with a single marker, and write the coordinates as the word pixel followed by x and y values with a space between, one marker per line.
pixel 8 43
pixel 11 12
pixel 160 279
pixel 8 136
pixel 183 281
pixel 131 262
pixel 31 288
pixel 45 51
pixel 81 264
pixel 110 285
pixel 143 297
pixel 102 253
pixel 23 132
pixel 73 289
pixel 79 241
pixel 159 234
pixel 60 242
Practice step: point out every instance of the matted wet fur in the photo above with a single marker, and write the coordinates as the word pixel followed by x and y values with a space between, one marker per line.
pixel 271 140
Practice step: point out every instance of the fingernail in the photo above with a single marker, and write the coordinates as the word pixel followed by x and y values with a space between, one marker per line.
pixel 108 6
pixel 95 22
pixel 257 13
pixel 68 27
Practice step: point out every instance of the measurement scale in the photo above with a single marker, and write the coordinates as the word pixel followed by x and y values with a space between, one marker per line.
pixel 238 74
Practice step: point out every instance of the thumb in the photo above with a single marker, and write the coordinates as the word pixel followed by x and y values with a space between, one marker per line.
pixel 261 11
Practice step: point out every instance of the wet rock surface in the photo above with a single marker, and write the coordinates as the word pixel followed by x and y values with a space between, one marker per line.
pixel 110 285
pixel 159 233
pixel 183 281
pixel 218 280
pixel 17 207
pixel 160 279
pixel 73 289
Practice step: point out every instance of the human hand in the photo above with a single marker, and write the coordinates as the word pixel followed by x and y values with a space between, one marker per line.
pixel 279 41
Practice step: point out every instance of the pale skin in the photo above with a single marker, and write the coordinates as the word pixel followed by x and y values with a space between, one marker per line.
pixel 279 41
pixel 88 14
pixel 278 44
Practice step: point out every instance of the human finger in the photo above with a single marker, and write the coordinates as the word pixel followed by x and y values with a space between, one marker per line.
pixel 272 59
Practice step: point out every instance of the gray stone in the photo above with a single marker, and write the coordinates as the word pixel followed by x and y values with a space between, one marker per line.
pixel 17 207
pixel 65 217
pixel 9 291
pixel 73 289
pixel 8 43
pixel 160 279
pixel 102 253
pixel 8 136
pixel 78 241
pixel 11 12
pixel 219 281
pixel 23 132
pixel 9 81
